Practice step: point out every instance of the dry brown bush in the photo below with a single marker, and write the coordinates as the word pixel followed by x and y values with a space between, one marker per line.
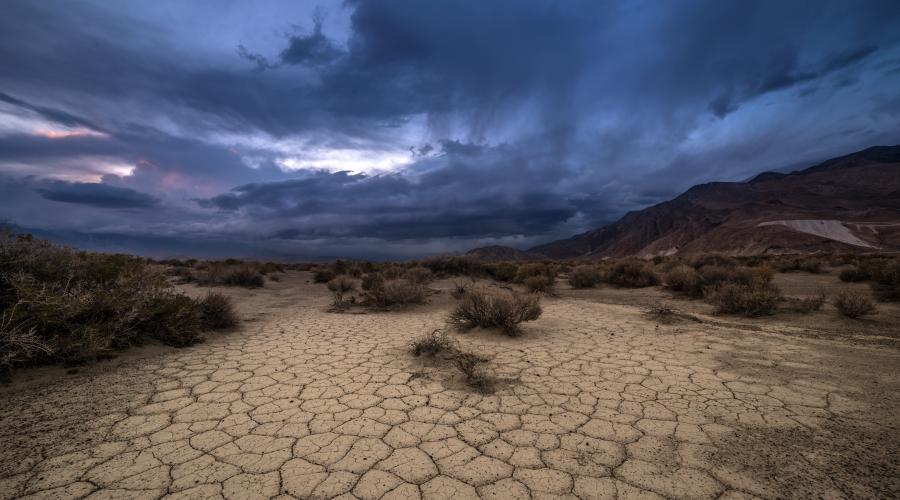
pixel 853 304
pixel 584 276
pixel 754 300
pixel 495 309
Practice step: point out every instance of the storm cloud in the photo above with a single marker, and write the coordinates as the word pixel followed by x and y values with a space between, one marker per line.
pixel 397 128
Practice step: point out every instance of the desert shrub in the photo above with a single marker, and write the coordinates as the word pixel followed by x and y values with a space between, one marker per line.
pixel 395 292
pixel 495 309
pixel 584 277
pixel 852 304
pixel 372 281
pixel 807 305
pixel 323 274
pixel 886 282
pixel 632 273
pixel 854 274
pixel 811 265
pixel 419 274
pixel 78 305
pixel 663 313
pixel 686 280
pixel 217 312
pixel 433 344
pixel 451 265
pixel 713 275
pixel 173 319
pixel 340 286
pixel 266 268
pixel 540 284
pixel 754 300
pixel 18 342
pixel 749 276
pixel 393 272
pixel 504 271
pixel 459 290
pixel 532 269
pixel 713 259
pixel 245 276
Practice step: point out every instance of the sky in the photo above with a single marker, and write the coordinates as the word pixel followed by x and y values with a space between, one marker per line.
pixel 396 129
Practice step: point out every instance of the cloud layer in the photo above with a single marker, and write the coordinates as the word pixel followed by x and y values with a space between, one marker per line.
pixel 397 128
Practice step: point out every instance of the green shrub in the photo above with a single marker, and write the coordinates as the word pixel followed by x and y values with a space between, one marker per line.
pixel 754 300
pixel 584 277
pixel 495 309
pixel 633 273
pixel 217 312
pixel 852 304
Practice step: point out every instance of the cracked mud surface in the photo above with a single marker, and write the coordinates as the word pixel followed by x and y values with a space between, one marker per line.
pixel 604 403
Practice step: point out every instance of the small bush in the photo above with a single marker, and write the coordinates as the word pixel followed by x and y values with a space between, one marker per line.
pixel 713 259
pixel 174 319
pixel 852 304
pixel 807 305
pixel 217 312
pixel 18 342
pixel 419 274
pixel 450 265
pixel 459 290
pixel 854 274
pixel 584 277
pixel 372 281
pixel 433 344
pixel 812 265
pixel 540 284
pixel 396 293
pixel 713 275
pixel 633 273
pixel 323 275
pixel 755 300
pixel 504 271
pixel 663 313
pixel 244 276
pixel 886 282
pixel 686 280
pixel 489 309
pixel 532 269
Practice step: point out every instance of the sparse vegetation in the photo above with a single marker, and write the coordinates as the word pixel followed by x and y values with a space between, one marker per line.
pixel 633 273
pixel 396 292
pixel 504 271
pixel 433 344
pixel 60 304
pixel 459 290
pixel 686 280
pixel 419 275
pixel 495 309
pixel 886 282
pixel 854 274
pixel 540 283
pixel 340 286
pixel 852 304
pixel 662 313
pixel 753 300
pixel 217 312
pixel 584 276
pixel 807 305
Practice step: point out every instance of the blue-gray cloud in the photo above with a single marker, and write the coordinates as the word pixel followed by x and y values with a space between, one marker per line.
pixel 98 195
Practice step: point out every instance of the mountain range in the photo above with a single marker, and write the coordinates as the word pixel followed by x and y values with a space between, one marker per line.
pixel 848 204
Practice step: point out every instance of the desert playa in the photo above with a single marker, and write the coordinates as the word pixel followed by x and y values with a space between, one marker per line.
pixel 595 399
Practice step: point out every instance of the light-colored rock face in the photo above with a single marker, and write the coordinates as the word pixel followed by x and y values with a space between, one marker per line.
pixel 605 404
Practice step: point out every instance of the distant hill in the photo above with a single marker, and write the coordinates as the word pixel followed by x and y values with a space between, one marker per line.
pixel 850 203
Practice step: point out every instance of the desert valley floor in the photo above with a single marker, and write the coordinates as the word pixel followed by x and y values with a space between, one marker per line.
pixel 595 400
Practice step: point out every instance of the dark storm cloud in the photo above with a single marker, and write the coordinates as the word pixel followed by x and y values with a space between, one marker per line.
pixel 98 195
pixel 528 117
pixel 457 195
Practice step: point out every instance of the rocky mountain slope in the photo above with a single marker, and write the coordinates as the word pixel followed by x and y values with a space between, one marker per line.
pixel 851 203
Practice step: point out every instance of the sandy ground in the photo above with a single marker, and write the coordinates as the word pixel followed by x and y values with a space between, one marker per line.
pixel 598 401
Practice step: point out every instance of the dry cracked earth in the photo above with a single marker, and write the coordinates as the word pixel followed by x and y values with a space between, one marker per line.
pixel 593 401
